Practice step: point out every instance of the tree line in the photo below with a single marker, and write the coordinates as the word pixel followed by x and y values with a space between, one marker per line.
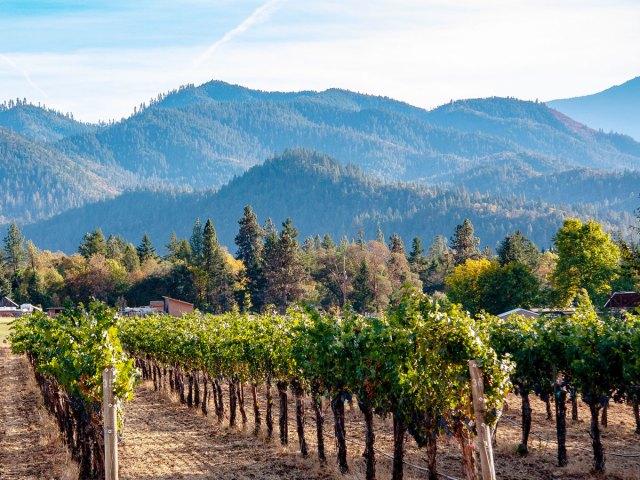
pixel 271 266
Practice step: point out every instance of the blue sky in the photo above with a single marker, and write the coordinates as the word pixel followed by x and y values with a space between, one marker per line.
pixel 99 59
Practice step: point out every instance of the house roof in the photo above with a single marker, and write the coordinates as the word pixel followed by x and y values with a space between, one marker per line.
pixel 169 299
pixel 519 311
pixel 623 300
pixel 7 302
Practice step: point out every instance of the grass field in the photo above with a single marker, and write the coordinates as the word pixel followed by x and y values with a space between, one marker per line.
pixel 4 328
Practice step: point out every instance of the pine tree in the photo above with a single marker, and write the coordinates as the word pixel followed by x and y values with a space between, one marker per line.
pixel 396 245
pixel 327 242
pixel 93 243
pixel 516 248
pixel 130 259
pixel 360 241
pixel 196 241
pixel 114 248
pixel 379 235
pixel 219 278
pixel 146 251
pixel 14 251
pixel 5 283
pixel 464 244
pixel 416 255
pixel 283 270
pixel 362 293
pixel 250 248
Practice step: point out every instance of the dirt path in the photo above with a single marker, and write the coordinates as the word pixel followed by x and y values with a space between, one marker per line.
pixel 30 447
pixel 164 440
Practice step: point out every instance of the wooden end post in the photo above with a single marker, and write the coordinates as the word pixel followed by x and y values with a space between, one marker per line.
pixel 110 424
pixel 483 441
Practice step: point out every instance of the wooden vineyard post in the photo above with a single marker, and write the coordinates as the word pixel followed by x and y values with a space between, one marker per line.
pixel 110 425
pixel 484 433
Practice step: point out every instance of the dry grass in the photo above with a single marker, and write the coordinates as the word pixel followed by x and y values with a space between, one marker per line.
pixel 221 452
pixel 5 328
pixel 30 444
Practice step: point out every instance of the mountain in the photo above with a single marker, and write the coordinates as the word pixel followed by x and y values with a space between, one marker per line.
pixel 41 124
pixel 615 109
pixel 37 181
pixel 200 137
pixel 319 193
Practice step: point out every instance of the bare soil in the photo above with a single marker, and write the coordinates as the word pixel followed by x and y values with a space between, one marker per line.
pixel 30 445
pixel 166 440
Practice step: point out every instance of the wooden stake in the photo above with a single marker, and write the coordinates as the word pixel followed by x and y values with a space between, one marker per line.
pixel 483 441
pixel 110 424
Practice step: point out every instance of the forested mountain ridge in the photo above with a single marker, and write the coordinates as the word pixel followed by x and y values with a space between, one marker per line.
pixel 614 109
pixel 320 195
pixel 40 124
pixel 201 136
pixel 37 181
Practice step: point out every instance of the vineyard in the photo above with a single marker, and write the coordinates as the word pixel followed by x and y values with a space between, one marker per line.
pixel 408 368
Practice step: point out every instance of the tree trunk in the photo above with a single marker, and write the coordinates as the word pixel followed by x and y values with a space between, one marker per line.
pixel 316 403
pixel 232 404
pixel 399 431
pixel 284 413
pixel 574 407
pixel 598 449
pixel 190 395
pixel 370 438
pixel 256 409
pixel 337 406
pixel 172 385
pixel 205 396
pixel 523 448
pixel 547 402
pixel 243 413
pixel 155 376
pixel 605 416
pixel 431 446
pixel 164 378
pixel 196 389
pixel 299 393
pixel 561 424
pixel 269 414
pixel 181 386
pixel 468 453
pixel 636 414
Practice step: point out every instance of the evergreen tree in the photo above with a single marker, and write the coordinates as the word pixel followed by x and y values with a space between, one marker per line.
pixel 396 244
pixel 5 283
pixel 146 251
pixel 283 269
pixel 416 255
pixel 362 293
pixel 327 242
pixel 464 244
pixel 93 243
pixel 439 264
pixel 196 242
pixel 360 242
pixel 130 259
pixel 14 252
pixel 114 248
pixel 517 248
pixel 172 247
pixel 379 235
pixel 219 278
pixel 250 248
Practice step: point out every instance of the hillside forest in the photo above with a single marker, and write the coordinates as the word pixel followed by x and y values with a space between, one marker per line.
pixel 273 266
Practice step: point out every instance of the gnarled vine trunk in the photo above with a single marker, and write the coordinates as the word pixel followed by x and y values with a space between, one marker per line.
pixel 370 438
pixel 316 403
pixel 399 431
pixel 431 445
pixel 196 389
pixel 605 415
pixel 596 441
pixel 256 409
pixel 205 396
pixel 232 404
pixel 561 424
pixel 337 406
pixel 299 394
pixel 523 448
pixel 465 437
pixel 269 414
pixel 240 395
pixel 636 414
pixel 284 413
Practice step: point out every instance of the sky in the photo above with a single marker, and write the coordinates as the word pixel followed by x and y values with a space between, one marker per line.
pixel 99 59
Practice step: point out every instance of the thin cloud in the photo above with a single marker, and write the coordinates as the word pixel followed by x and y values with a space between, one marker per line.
pixel 22 72
pixel 259 15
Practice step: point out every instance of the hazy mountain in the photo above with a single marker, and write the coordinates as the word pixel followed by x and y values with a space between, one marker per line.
pixel 319 193
pixel 37 181
pixel 41 124
pixel 615 109
pixel 202 136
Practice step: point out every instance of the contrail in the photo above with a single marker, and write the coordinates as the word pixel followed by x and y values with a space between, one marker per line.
pixel 259 15
pixel 22 72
